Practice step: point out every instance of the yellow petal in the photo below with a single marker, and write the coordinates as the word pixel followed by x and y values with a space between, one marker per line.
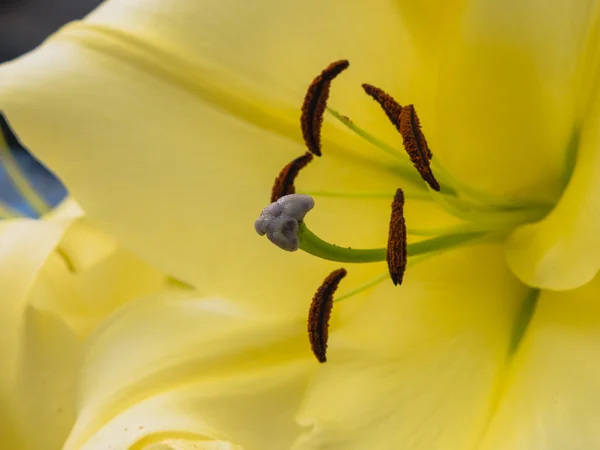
pixel 419 366
pixel 46 312
pixel 67 209
pixel 178 367
pixel 550 398
pixel 431 22
pixel 31 343
pixel 43 394
pixel 84 246
pixel 189 444
pixel 563 250
pixel 89 277
pixel 266 52
pixel 169 169
pixel 511 88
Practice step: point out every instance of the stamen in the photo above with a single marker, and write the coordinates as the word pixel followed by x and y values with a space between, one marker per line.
pixel 280 221
pixel 416 145
pixel 320 312
pixel 283 223
pixel 314 245
pixel 314 105
pixel 397 245
pixel 378 279
pixel 389 105
pixel 284 183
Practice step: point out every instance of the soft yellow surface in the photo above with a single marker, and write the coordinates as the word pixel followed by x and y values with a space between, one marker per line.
pixel 198 169
pixel 418 367
pixel 563 251
pixel 551 395
pixel 45 312
pixel 510 91
pixel 31 342
pixel 168 121
pixel 177 115
pixel 178 366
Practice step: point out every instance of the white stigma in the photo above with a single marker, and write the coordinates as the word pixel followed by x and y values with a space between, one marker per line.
pixel 281 219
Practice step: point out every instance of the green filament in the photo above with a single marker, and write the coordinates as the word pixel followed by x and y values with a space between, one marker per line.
pixel 408 194
pixel 314 245
pixel 450 185
pixel 405 167
pixel 378 279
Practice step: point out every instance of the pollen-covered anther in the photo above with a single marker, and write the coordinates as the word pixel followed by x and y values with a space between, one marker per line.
pixel 314 105
pixel 389 105
pixel 284 183
pixel 320 312
pixel 416 145
pixel 397 244
pixel 280 220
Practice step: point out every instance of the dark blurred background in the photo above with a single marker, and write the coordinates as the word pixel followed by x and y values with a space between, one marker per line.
pixel 24 24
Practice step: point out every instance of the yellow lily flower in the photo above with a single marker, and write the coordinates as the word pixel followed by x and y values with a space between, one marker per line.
pixel 60 278
pixel 168 121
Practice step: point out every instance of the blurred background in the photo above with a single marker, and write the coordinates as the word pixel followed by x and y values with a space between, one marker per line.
pixel 24 24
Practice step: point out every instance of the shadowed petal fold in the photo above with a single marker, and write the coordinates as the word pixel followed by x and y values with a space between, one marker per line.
pixel 551 394
pixel 563 250
pixel 175 366
pixel 418 366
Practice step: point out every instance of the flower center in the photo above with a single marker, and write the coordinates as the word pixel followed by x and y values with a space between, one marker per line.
pixel 483 217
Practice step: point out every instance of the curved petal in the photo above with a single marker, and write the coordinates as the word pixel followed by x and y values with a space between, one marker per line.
pixel 551 395
pixel 31 342
pixel 89 277
pixel 46 312
pixel 174 366
pixel 563 250
pixel 419 365
pixel 511 91
pixel 145 156
pixel 192 444
pixel 246 49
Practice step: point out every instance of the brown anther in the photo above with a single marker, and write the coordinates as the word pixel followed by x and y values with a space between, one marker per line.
pixel 396 249
pixel 284 183
pixel 389 105
pixel 416 145
pixel 320 312
pixel 314 105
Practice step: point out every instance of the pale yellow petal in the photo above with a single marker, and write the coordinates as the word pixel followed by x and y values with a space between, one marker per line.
pixel 190 444
pixel 43 395
pixel 255 410
pixel 49 306
pixel 31 342
pixel 419 365
pixel 89 277
pixel 563 250
pixel 67 209
pixel 512 90
pixel 551 395
pixel 176 179
pixel 175 366
pixel 83 300
pixel 84 246
pixel 264 53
